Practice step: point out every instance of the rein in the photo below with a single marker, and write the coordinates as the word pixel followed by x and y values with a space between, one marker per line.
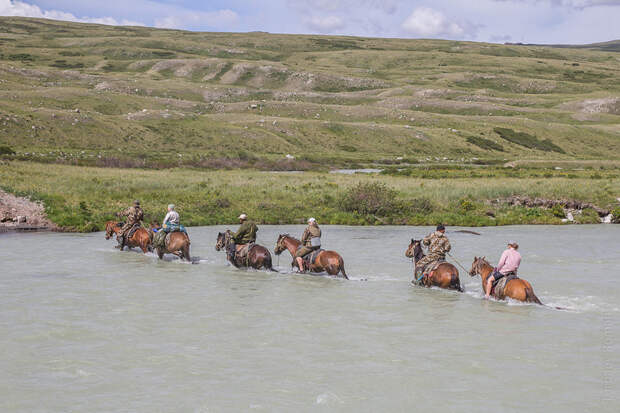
pixel 457 261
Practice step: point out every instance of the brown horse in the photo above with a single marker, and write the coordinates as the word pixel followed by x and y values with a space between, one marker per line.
pixel 517 288
pixel 258 257
pixel 445 275
pixel 177 244
pixel 140 237
pixel 328 261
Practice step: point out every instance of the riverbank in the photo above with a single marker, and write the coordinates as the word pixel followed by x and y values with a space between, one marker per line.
pixel 83 198
pixel 22 214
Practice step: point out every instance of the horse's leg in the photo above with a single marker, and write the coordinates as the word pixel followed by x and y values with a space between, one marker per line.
pixel 160 253
pixel 186 251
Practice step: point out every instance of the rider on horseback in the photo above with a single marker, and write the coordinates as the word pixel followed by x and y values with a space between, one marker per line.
pixel 134 215
pixel 508 265
pixel 438 245
pixel 245 235
pixel 310 241
pixel 172 221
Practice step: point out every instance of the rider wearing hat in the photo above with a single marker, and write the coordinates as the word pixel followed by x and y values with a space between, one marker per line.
pixel 134 215
pixel 310 241
pixel 246 234
pixel 438 246
pixel 508 265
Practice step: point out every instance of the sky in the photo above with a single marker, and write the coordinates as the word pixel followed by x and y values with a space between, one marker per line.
pixel 498 21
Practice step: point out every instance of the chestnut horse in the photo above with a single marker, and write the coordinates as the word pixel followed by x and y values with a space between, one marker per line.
pixel 177 244
pixel 258 257
pixel 328 261
pixel 140 237
pixel 445 275
pixel 517 288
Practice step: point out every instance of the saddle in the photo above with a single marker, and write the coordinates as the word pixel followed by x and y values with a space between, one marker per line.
pixel 430 268
pixel 497 289
pixel 133 230
pixel 309 258
pixel 244 252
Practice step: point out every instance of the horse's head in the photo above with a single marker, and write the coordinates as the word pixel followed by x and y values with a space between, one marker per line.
pixel 221 241
pixel 477 265
pixel 111 228
pixel 280 245
pixel 415 250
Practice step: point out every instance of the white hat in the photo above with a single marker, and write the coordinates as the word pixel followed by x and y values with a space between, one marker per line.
pixel 171 206
pixel 243 216
pixel 311 220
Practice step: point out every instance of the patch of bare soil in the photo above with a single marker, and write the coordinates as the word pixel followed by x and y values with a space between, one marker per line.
pixel 17 212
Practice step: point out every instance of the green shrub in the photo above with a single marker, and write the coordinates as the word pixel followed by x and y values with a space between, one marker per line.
pixel 421 206
pixel 615 215
pixel 6 150
pixel 486 144
pixel 370 199
pixel 587 216
pixel 527 140
pixel 558 211
pixel 466 205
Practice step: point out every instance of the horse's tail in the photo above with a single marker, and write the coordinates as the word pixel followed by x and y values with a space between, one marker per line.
pixel 455 282
pixel 268 264
pixel 341 265
pixel 530 297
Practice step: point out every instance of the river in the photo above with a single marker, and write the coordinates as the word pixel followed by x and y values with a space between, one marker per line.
pixel 85 328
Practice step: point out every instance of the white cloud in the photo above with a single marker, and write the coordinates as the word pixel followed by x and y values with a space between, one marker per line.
pixel 575 4
pixel 221 19
pixel 325 24
pixel 427 22
pixel 19 8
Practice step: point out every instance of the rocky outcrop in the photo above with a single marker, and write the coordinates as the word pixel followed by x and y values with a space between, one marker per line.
pixel 567 204
pixel 18 213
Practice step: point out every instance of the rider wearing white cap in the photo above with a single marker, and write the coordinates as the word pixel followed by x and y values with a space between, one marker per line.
pixel 508 265
pixel 172 221
pixel 246 234
pixel 310 241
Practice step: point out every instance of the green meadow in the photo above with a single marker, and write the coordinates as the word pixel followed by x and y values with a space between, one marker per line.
pixel 93 116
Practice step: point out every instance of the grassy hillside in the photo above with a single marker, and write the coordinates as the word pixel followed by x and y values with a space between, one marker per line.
pixel 135 96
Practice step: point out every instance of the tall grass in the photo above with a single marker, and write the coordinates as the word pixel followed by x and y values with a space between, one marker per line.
pixel 83 198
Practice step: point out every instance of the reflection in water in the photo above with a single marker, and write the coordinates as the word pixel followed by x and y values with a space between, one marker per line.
pixel 84 327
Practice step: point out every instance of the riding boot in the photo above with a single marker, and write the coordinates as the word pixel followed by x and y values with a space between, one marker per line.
pixel 121 242
pixel 419 270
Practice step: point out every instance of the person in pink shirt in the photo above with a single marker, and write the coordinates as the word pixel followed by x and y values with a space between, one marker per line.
pixel 508 265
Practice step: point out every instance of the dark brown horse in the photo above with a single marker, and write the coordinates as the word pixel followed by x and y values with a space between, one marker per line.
pixel 328 261
pixel 177 244
pixel 140 237
pixel 445 275
pixel 517 288
pixel 258 257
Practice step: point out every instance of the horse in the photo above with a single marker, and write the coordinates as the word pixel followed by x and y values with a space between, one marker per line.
pixel 177 244
pixel 445 275
pixel 328 261
pixel 517 288
pixel 140 237
pixel 258 257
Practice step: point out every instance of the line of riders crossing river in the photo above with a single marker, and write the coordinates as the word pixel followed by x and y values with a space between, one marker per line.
pixel 242 251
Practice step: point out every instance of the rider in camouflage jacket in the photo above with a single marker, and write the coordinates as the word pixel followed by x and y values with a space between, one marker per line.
pixel 438 246
pixel 134 215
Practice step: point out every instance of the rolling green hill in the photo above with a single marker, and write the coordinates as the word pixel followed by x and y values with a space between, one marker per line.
pixel 136 96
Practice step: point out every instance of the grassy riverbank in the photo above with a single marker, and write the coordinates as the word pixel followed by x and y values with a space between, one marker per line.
pixel 83 198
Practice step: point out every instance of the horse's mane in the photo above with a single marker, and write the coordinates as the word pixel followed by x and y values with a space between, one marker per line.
pixel 289 236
